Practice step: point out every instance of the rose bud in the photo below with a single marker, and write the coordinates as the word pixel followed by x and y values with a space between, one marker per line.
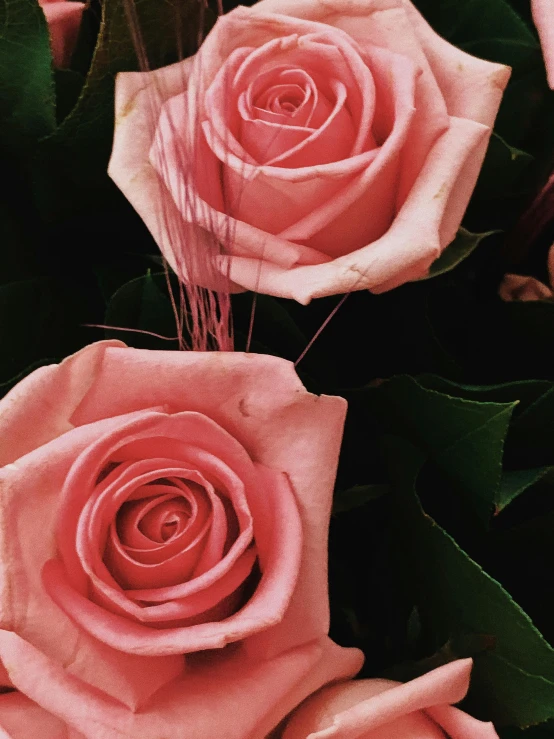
pixel 383 709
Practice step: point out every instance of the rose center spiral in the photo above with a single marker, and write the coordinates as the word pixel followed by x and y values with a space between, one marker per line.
pixel 165 520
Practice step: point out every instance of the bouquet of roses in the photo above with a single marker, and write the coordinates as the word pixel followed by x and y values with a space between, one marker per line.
pixel 276 377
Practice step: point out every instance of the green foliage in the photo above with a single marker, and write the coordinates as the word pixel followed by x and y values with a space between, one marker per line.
pixel 513 681
pixel 71 163
pixel 143 305
pixel 450 450
pixel 346 500
pixel 27 101
pixel 62 221
pixel 462 246
pixel 442 538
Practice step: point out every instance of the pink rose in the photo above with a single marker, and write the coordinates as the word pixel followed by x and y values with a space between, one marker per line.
pixel 531 228
pixel 329 146
pixel 163 557
pixel 383 709
pixel 543 15
pixel 523 288
pixel 63 18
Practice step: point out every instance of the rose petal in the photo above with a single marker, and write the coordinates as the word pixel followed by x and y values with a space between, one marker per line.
pixel 50 393
pixel 472 87
pixel 413 241
pixel 24 604
pixel 367 202
pixel 543 16
pixel 460 725
pixel 184 709
pixel 96 520
pixel 265 608
pixel 354 709
pixel 521 287
pixel 84 472
pixel 261 402
pixel 64 19
pixel 20 718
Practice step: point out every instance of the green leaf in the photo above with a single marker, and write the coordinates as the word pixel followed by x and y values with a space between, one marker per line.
pixel 359 495
pixel 532 433
pixel 527 392
pixel 512 683
pixel 462 246
pixel 496 31
pixel 515 52
pixel 27 102
pixel 464 438
pixel 516 482
pixel 530 442
pixel 72 162
pixel 144 307
pixel 523 9
pixel 466 645
pixel 504 171
pixel 493 25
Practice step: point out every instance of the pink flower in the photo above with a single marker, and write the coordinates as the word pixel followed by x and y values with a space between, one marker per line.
pixel 163 556
pixel 532 227
pixel 523 288
pixel 329 146
pixel 543 15
pixel 63 18
pixel 382 709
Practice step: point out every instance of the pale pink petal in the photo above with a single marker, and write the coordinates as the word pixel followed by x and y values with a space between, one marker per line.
pixel 472 87
pixel 264 609
pixel 101 508
pixel 20 718
pixel 460 725
pixel 50 394
pixel 4 678
pixel 186 708
pixel 358 708
pixel 521 287
pixel 63 18
pixel 24 604
pixel 138 101
pixel 367 201
pixel 249 187
pixel 404 253
pixel 447 684
pixel 543 15
pixel 261 402
pixel 266 209
pixel 360 191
